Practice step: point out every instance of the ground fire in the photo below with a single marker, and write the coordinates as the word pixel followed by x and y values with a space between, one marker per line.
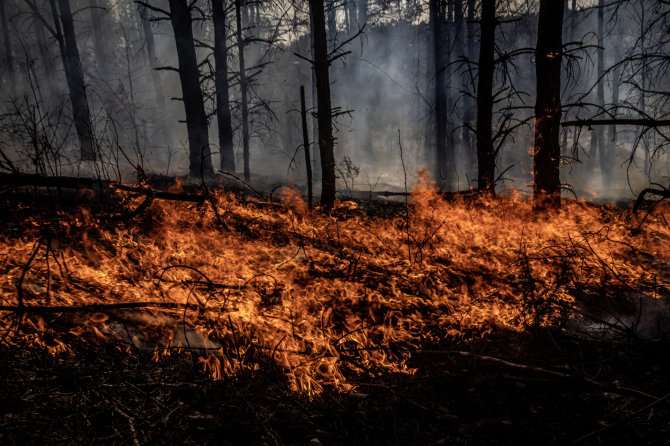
pixel 333 299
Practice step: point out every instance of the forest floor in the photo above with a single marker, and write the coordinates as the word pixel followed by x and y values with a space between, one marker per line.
pixel 104 396
pixel 547 383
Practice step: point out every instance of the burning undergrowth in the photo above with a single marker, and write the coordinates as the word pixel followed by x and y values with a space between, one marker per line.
pixel 330 298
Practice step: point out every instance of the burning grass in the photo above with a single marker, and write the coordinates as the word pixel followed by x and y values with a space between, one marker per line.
pixel 332 299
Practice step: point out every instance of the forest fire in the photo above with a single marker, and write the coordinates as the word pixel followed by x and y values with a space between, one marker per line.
pixel 332 299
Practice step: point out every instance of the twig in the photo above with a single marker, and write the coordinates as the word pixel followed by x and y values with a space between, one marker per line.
pixel 244 183
pixel 131 424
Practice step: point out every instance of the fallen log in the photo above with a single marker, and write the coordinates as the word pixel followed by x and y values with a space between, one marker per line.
pixel 95 184
pixel 26 179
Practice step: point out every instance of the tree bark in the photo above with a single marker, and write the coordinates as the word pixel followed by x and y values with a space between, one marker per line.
pixel 598 146
pixel 243 90
pixel 200 162
pixel 332 23
pixel 149 40
pixel 101 40
pixel 324 112
pixel 75 79
pixel 362 12
pixel 469 141
pixel 547 150
pixel 352 8
pixel 438 25
pixel 45 51
pixel 315 120
pixel 7 40
pixel 305 143
pixel 612 135
pixel 221 84
pixel 486 156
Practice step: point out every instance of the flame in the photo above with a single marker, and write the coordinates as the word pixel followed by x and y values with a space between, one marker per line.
pixel 328 298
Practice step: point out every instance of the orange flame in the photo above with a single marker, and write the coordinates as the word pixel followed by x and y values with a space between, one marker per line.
pixel 329 298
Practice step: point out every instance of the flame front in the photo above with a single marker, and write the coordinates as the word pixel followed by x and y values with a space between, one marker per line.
pixel 329 298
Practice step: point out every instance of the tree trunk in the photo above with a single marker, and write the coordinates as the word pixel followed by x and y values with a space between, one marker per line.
pixel 547 151
pixel 351 7
pixel 469 142
pixel 221 85
pixel 7 40
pixel 148 35
pixel 332 23
pixel 200 162
pixel 45 52
pixel 324 113
pixel 600 96
pixel 75 79
pixel 612 137
pixel 362 12
pixel 643 88
pixel 597 134
pixel 305 143
pixel 243 90
pixel 459 81
pixel 486 156
pixel 438 25
pixel 101 40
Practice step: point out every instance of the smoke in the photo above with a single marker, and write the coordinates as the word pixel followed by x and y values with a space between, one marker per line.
pixel 382 91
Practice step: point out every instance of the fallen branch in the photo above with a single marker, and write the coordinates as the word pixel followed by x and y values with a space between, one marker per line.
pixel 160 195
pixel 663 193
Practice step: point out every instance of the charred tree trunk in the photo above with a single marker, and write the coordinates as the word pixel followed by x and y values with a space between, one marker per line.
pixel 75 78
pixel 7 41
pixel 468 115
pixel 43 47
pixel 547 150
pixel 438 25
pixel 603 146
pixel 305 143
pixel 598 148
pixel 459 51
pixel 221 84
pixel 351 25
pixel 486 155
pixel 332 23
pixel 101 40
pixel 200 162
pixel 643 88
pixel 148 36
pixel 449 48
pixel 324 112
pixel 612 136
pixel 243 90
pixel 362 12
pixel 315 120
